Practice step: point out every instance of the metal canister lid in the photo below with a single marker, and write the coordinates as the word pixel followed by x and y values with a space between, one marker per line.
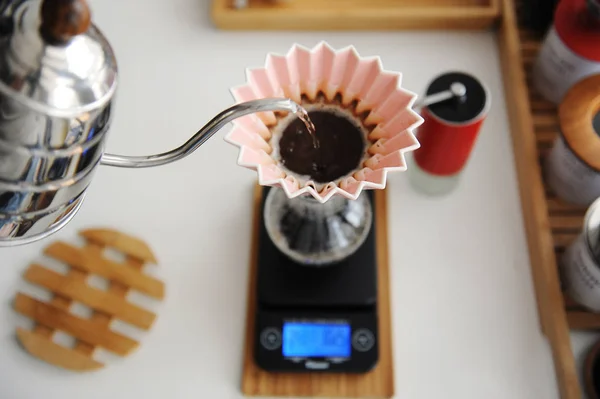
pixel 576 114
pixel 61 78
pixel 591 229
pixel 463 109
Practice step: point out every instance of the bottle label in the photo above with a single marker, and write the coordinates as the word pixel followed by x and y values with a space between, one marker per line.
pixel 557 68
pixel 569 177
pixel 581 275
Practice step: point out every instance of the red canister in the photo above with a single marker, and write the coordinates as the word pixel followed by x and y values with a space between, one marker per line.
pixel 449 132
pixel 571 49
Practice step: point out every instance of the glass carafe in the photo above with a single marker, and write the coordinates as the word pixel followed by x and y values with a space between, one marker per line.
pixel 314 233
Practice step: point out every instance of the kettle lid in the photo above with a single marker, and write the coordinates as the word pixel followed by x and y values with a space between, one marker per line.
pixel 54 60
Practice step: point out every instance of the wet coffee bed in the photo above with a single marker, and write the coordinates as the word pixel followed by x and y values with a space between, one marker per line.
pixel 339 150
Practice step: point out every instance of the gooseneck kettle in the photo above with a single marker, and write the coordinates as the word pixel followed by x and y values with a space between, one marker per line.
pixel 58 78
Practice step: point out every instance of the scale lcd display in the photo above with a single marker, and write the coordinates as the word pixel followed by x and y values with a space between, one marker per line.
pixel 316 340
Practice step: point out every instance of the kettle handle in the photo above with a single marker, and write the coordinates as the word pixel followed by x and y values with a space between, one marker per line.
pixel 216 124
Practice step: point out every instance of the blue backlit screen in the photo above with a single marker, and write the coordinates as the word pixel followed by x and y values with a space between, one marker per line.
pixel 316 340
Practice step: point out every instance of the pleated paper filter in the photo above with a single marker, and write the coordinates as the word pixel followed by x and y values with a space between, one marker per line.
pixel 337 88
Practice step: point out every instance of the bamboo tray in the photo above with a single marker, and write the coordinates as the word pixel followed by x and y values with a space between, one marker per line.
pixel 551 225
pixel 355 14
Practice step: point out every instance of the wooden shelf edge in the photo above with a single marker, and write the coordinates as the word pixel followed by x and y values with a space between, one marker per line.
pixel 553 318
pixel 356 18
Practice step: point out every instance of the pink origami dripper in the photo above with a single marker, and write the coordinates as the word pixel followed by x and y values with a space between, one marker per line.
pixel 338 79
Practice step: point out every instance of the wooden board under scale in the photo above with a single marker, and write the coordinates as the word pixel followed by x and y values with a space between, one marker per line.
pixel 378 383
pixel 370 15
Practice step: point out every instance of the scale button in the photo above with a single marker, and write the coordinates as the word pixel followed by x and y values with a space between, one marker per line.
pixel 270 338
pixel 363 340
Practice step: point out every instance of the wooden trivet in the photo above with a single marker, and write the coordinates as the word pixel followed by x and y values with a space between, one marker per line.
pixel 106 305
pixel 378 383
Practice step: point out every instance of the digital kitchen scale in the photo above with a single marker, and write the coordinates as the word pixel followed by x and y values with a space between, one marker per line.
pixel 318 319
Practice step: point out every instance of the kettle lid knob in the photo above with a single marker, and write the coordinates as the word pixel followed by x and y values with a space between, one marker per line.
pixel 63 19
pixel 55 61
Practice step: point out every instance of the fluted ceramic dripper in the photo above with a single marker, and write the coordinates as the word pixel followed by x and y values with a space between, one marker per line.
pixel 339 82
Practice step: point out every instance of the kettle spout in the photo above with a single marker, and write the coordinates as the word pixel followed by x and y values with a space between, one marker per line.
pixel 216 124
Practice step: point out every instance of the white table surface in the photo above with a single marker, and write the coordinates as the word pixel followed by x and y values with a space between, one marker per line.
pixel 464 314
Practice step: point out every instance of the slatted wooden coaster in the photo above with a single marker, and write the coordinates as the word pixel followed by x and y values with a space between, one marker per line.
pixel 378 383
pixel 106 305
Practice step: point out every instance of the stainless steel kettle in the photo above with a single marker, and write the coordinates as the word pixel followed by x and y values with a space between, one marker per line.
pixel 58 78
